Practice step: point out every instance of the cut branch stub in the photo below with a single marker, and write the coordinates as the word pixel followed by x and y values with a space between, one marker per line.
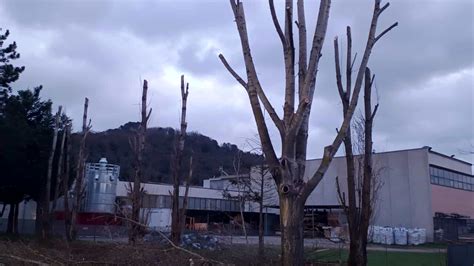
pixel 285 189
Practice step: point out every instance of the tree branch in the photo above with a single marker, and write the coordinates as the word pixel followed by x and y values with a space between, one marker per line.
pixel 276 23
pixel 385 31
pixel 318 40
pixel 289 55
pixel 302 63
pixel 315 54
pixel 232 71
pixel 254 89
pixel 340 88
pixel 349 65
pixel 383 8
pixel 374 112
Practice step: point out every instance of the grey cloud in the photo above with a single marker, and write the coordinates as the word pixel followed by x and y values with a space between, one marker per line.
pixel 101 49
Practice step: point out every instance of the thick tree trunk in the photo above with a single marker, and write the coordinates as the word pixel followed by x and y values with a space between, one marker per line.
pixel 291 225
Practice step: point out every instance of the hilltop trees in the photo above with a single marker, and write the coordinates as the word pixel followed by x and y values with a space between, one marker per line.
pixel 288 168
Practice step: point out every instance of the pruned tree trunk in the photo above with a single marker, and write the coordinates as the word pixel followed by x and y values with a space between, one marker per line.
pixel 79 180
pixel 59 174
pixel 288 169
pixel 176 217
pixel 138 147
pixel 65 186
pixel 45 217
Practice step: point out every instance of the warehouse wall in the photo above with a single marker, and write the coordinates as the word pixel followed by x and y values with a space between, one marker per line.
pixel 451 200
pixel 405 196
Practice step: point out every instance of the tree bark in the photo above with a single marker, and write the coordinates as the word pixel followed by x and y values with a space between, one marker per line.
pixel 291 225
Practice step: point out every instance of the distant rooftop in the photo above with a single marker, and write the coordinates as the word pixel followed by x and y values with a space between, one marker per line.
pixel 403 150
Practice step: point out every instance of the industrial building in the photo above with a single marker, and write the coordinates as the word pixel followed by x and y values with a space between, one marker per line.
pixel 419 188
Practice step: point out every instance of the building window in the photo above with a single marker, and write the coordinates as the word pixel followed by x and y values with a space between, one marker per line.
pixel 444 177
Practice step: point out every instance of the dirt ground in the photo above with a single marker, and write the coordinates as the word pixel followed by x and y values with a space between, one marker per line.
pixel 59 252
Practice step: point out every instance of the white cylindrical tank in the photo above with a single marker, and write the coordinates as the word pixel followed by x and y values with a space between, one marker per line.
pixel 101 187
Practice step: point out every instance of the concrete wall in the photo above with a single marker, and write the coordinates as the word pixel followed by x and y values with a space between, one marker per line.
pixel 404 198
pixel 451 200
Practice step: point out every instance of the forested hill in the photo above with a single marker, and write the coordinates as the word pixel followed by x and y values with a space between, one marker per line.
pixel 208 155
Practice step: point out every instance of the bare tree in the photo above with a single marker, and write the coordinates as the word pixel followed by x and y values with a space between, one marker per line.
pixel 178 216
pixel 45 217
pixel 288 169
pixel 137 144
pixel 80 166
pixel 360 201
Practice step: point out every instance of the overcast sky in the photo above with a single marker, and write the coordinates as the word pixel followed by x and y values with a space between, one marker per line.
pixel 102 49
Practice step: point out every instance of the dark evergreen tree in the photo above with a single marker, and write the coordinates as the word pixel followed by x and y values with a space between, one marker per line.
pixel 26 132
pixel 8 72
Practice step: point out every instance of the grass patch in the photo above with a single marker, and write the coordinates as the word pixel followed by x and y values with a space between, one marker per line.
pixel 376 258
pixel 425 245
